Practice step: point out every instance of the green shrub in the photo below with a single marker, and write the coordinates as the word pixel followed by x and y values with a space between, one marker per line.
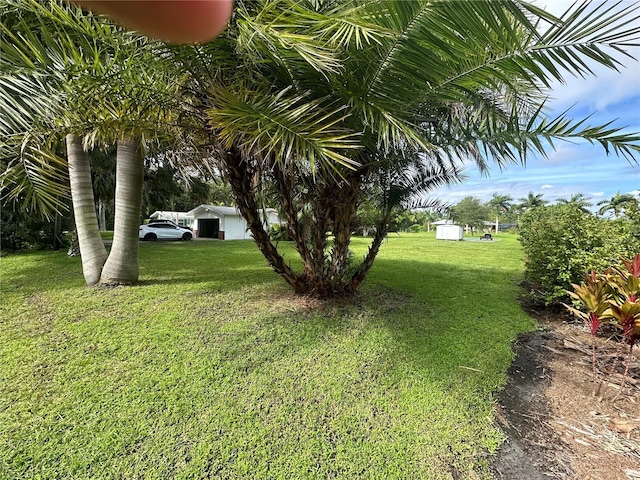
pixel 278 233
pixel 561 243
pixel 23 231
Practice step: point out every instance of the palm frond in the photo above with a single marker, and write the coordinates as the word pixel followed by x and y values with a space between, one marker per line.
pixel 285 127
pixel 38 179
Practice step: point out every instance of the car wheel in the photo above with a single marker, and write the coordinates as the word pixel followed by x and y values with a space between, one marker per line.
pixel 187 236
pixel 151 237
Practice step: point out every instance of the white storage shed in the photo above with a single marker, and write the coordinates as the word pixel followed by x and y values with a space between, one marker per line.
pixel 448 232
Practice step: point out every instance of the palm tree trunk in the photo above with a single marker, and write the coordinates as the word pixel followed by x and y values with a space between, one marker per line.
pixel 319 233
pixel 296 230
pixel 121 268
pixel 247 201
pixel 102 215
pixel 92 248
pixel 57 231
pixel 359 276
pixel 344 211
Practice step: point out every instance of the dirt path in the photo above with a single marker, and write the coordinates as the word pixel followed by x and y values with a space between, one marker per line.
pixel 555 427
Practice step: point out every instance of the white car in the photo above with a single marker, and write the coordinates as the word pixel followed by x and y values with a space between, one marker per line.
pixel 164 230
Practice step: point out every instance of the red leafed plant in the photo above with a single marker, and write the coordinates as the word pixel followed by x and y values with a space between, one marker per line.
pixel 611 298
pixel 593 295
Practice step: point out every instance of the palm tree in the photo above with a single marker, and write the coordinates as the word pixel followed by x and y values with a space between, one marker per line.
pixel 579 200
pixel 617 204
pixel 532 200
pixel 314 98
pixel 114 100
pixel 500 204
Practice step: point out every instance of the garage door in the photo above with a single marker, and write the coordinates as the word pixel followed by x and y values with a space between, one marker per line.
pixel 208 227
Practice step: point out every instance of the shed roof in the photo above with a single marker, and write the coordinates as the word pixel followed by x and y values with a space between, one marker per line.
pixel 443 222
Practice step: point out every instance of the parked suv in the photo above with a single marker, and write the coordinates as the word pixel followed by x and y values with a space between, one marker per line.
pixel 164 230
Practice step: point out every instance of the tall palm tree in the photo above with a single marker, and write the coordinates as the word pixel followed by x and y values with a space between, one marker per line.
pixel 617 204
pixel 500 204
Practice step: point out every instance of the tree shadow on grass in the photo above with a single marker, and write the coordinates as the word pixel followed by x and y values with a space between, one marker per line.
pixel 468 316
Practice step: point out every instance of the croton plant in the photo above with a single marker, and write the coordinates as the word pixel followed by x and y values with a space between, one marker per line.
pixel 611 298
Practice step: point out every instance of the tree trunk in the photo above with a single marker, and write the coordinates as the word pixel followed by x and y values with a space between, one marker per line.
pixel 102 215
pixel 296 230
pixel 121 268
pixel 359 276
pixel 239 178
pixel 344 211
pixel 57 231
pixel 92 248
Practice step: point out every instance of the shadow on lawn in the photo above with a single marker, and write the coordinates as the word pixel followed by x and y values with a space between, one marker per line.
pixel 468 316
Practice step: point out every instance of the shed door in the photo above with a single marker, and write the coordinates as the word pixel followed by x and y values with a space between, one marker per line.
pixel 208 227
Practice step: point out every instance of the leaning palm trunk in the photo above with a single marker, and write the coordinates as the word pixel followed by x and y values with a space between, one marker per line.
pixel 92 248
pixel 121 268
pixel 361 273
pixel 244 191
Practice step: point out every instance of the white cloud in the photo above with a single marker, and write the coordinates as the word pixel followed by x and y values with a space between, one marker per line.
pixel 605 87
pixel 608 87
pixel 546 187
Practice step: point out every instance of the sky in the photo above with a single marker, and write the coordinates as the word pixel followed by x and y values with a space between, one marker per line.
pixel 576 167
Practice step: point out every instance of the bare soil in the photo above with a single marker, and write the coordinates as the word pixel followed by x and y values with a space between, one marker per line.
pixel 558 426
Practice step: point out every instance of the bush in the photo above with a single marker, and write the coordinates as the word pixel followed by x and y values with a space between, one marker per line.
pixel 279 233
pixel 21 231
pixel 561 244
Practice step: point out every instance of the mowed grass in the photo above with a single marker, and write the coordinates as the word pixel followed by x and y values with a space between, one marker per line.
pixel 210 368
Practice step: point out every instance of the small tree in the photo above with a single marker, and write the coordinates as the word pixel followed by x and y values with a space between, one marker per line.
pixel 470 211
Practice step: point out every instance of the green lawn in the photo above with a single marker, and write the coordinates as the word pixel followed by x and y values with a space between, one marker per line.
pixel 211 369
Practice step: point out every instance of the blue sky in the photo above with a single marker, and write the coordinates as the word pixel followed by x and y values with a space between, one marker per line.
pixel 578 166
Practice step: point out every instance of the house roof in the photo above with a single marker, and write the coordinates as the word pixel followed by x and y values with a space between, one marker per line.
pixel 164 213
pixel 217 209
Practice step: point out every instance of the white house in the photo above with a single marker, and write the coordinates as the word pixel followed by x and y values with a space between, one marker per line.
pixel 180 218
pixel 225 223
pixel 447 230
